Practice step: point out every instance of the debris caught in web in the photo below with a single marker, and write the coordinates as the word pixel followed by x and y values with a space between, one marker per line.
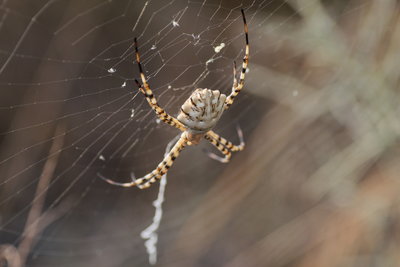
pixel 218 48
pixel 175 24
pixel 111 70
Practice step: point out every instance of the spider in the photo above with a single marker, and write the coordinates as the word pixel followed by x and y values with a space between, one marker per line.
pixel 198 115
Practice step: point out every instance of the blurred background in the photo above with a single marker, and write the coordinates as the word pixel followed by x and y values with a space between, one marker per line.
pixel 317 184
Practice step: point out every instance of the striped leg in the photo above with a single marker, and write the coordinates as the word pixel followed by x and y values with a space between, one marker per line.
pixel 236 89
pixel 156 174
pixel 164 116
pixel 221 148
pixel 164 165
pixel 228 144
pixel 235 82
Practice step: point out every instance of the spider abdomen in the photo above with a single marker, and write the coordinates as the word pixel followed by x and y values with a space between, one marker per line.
pixel 202 110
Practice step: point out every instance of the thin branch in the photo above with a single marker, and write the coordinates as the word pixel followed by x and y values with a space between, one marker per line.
pixel 32 223
pixel 37 220
pixel 11 255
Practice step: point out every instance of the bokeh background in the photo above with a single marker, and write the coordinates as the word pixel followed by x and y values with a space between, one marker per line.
pixel 317 184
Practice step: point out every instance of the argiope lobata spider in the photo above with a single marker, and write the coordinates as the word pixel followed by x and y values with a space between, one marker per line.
pixel 198 115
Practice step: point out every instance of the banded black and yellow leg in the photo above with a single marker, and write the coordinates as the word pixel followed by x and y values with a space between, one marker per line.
pixel 235 82
pixel 164 165
pixel 148 93
pixel 228 144
pixel 161 113
pixel 135 182
pixel 162 168
pixel 221 148
pixel 236 89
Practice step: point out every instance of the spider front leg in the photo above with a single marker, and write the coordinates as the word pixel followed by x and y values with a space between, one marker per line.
pixel 162 168
pixel 238 86
pixel 148 93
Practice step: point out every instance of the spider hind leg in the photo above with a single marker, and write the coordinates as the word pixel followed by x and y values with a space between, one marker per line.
pixel 223 145
pixel 162 168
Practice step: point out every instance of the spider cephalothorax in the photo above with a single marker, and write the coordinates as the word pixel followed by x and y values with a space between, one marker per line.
pixel 198 115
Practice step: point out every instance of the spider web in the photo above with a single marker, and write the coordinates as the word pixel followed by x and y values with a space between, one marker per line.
pixel 70 65
pixel 68 98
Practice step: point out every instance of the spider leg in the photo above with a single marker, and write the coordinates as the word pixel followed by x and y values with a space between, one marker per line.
pixel 226 143
pixel 238 86
pixel 148 93
pixel 235 82
pixel 221 148
pixel 156 174
pixel 164 165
